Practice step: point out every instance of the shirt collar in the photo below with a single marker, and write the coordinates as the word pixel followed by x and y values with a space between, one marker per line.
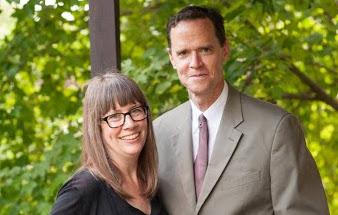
pixel 215 111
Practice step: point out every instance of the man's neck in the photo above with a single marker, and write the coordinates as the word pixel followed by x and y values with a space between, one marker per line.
pixel 204 101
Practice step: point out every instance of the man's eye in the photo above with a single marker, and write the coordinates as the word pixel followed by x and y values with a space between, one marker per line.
pixel 205 50
pixel 182 54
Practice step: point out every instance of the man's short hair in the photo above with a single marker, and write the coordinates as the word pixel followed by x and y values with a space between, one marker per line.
pixel 198 12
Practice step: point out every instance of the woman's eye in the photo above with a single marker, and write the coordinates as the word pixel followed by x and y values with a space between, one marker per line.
pixel 114 117
pixel 137 111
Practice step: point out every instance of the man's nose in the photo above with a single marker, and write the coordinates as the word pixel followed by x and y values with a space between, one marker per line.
pixel 195 60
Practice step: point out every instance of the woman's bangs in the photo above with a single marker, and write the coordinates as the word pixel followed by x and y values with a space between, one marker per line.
pixel 121 94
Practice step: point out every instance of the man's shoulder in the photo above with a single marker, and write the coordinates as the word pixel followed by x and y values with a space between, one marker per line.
pixel 260 108
pixel 172 115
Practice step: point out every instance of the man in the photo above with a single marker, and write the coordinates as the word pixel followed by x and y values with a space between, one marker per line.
pixel 244 156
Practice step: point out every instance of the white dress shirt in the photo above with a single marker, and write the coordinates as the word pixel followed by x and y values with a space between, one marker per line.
pixel 213 114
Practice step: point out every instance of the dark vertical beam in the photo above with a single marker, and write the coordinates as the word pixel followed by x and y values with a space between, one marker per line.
pixel 104 28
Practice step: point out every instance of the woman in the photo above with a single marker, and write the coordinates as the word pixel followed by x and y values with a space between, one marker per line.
pixel 118 174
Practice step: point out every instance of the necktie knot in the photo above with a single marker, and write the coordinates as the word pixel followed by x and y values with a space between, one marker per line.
pixel 201 120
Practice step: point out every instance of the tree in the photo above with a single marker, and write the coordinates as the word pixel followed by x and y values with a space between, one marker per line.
pixel 281 51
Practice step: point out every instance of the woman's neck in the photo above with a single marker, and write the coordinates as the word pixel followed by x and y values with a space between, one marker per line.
pixel 132 185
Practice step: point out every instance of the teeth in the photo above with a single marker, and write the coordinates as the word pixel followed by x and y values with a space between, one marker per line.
pixel 130 137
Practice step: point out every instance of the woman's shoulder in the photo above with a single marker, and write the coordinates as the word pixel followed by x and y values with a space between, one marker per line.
pixel 83 182
pixel 77 194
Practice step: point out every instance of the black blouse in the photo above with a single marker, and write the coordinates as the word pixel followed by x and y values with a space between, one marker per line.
pixel 84 194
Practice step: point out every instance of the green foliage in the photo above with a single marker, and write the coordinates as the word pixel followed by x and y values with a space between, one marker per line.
pixel 44 64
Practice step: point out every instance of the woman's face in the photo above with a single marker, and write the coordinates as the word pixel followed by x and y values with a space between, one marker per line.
pixel 125 141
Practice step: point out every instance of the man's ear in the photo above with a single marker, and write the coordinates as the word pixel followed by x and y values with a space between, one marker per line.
pixel 226 50
pixel 171 58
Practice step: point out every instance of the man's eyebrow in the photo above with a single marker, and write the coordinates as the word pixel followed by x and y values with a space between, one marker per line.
pixel 208 46
pixel 181 50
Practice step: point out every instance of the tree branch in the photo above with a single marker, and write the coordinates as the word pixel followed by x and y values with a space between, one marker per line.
pixel 320 94
pixel 301 96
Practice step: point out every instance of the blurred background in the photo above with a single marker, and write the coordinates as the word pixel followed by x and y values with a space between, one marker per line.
pixel 282 51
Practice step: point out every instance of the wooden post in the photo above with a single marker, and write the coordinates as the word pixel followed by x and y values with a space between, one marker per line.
pixel 104 28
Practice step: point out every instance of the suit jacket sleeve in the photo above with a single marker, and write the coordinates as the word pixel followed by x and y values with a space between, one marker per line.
pixel 296 187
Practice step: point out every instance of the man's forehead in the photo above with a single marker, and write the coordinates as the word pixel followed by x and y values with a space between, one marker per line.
pixel 192 43
pixel 193 21
pixel 205 22
pixel 193 29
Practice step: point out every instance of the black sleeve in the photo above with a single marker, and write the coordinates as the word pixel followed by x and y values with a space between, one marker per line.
pixel 76 196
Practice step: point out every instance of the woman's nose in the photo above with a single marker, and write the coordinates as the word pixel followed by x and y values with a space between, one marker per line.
pixel 128 122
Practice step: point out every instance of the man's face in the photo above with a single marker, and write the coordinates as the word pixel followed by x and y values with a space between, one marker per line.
pixel 198 57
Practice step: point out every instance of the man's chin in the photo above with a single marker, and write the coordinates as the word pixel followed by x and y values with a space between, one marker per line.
pixel 197 91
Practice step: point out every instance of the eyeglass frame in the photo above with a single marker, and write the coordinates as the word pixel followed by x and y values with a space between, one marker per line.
pixel 145 109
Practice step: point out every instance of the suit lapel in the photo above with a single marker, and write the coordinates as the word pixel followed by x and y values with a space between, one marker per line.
pixel 183 149
pixel 226 142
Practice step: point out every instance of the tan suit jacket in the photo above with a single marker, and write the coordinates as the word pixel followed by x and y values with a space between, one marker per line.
pixel 259 164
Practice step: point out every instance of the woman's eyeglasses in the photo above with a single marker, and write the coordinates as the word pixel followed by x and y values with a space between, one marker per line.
pixel 117 119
